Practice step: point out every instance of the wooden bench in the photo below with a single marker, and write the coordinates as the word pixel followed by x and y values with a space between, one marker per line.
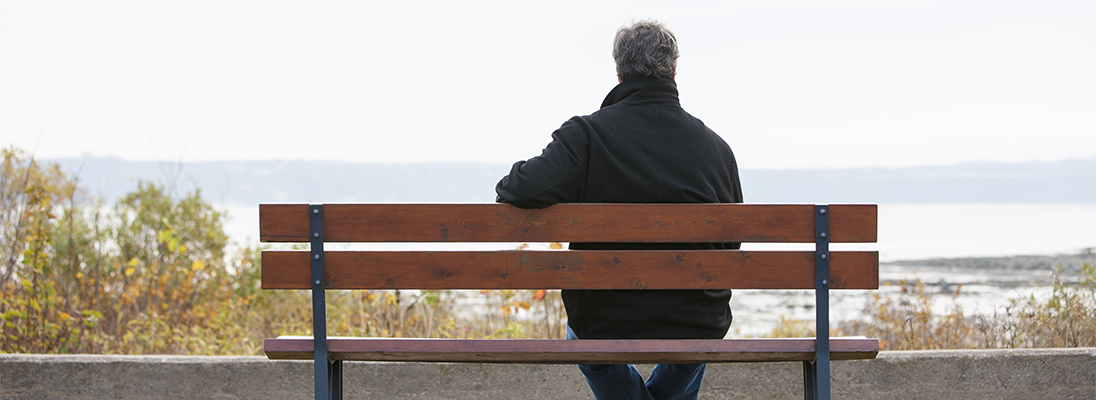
pixel 821 270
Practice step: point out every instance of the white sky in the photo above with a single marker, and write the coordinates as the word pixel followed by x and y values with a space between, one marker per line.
pixel 788 84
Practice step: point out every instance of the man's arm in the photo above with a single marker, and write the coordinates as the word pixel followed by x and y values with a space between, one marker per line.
pixel 557 175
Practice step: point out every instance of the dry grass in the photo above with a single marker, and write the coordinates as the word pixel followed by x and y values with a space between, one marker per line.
pixel 906 320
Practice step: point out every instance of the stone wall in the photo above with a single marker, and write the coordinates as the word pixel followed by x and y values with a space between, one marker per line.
pixel 935 375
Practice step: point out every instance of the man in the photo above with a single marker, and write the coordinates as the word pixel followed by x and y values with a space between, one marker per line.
pixel 640 147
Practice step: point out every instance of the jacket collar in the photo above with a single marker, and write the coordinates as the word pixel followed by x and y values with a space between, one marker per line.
pixel 644 89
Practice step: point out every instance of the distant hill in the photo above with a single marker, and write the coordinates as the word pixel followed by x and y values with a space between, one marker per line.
pixel 252 182
pixel 1070 263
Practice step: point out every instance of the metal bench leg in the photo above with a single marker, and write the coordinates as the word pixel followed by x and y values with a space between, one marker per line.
pixel 335 379
pixel 821 378
pixel 810 387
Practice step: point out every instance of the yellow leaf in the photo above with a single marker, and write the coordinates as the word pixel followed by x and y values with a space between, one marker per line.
pixel 182 249
pixel 556 246
pixel 130 271
pixel 79 275
pixel 65 316
pixel 197 265
pixel 132 262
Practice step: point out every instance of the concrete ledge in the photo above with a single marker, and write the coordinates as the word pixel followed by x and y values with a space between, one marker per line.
pixel 935 375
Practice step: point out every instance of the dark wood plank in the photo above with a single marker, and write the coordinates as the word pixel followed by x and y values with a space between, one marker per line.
pixel 572 351
pixel 575 269
pixel 567 223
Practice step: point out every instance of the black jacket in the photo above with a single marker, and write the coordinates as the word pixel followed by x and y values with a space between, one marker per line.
pixel 640 147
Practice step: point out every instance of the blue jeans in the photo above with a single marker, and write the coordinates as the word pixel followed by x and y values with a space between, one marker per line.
pixel 623 382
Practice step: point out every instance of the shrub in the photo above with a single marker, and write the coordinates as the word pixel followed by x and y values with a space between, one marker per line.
pixel 907 321
pixel 150 275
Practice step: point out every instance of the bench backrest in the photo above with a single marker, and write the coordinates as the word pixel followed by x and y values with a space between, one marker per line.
pixel 588 269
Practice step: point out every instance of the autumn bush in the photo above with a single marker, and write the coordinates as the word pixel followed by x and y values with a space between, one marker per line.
pixel 149 274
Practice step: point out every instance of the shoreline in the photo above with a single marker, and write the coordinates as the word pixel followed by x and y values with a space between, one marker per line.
pixel 1071 263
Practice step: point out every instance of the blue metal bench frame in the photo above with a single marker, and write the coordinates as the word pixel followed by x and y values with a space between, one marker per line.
pixel 816 374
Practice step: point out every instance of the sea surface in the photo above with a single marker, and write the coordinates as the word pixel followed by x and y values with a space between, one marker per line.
pixel 907 233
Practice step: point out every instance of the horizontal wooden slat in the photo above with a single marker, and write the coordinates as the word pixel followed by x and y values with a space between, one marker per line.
pixel 574 269
pixel 567 223
pixel 572 351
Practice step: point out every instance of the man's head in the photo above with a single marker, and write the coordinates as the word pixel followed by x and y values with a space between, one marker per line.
pixel 646 48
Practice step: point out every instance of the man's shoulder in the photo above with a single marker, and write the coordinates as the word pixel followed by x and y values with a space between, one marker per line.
pixel 604 112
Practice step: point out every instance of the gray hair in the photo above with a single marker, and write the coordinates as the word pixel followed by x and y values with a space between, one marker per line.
pixel 646 48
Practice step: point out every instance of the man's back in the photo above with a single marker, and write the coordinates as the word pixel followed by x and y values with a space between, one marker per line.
pixel 644 148
pixel 640 147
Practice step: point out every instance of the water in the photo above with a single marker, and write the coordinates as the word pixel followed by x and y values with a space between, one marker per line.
pixel 906 232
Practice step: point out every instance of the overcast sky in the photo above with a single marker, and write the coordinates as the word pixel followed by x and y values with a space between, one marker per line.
pixel 788 84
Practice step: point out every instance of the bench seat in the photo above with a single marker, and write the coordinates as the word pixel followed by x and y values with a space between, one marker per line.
pixel 557 351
